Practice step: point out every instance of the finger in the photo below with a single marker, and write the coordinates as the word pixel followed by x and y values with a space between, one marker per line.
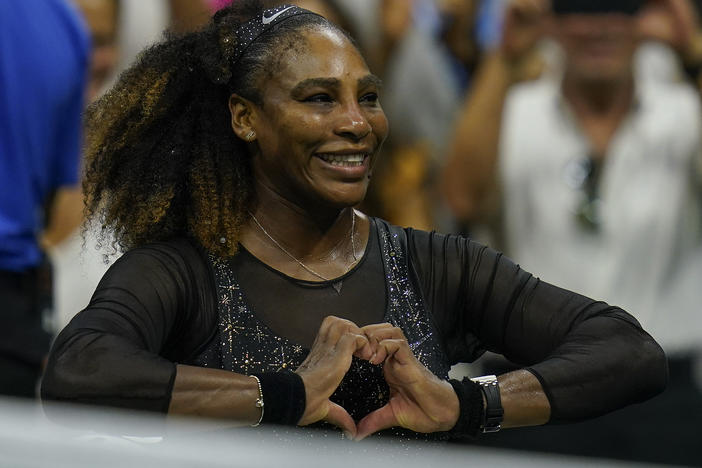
pixel 528 10
pixel 386 333
pixel 398 349
pixel 354 344
pixel 382 418
pixel 324 327
pixel 376 333
pixel 336 327
pixel 376 326
pixel 339 417
pixel 383 333
pixel 363 348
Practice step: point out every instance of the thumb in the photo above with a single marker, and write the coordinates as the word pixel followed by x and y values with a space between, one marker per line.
pixel 382 418
pixel 339 417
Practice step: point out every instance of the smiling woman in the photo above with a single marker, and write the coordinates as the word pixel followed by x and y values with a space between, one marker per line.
pixel 228 163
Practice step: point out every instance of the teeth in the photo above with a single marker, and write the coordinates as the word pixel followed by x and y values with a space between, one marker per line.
pixel 346 160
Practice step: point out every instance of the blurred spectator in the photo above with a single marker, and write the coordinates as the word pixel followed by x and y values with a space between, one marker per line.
pixel 591 177
pixel 43 67
pixel 423 52
pixel 120 29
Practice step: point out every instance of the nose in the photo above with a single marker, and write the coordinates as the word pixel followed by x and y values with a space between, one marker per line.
pixel 352 123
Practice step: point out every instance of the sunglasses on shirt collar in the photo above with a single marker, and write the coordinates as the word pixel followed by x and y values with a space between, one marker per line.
pixel 566 7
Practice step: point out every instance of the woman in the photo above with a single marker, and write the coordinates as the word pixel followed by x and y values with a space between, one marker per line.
pixel 228 161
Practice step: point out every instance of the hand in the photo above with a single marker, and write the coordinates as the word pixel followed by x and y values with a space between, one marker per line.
pixel 676 23
pixel 419 400
pixel 524 25
pixel 337 341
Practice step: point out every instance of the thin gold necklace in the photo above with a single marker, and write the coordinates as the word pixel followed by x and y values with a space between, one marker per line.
pixel 308 269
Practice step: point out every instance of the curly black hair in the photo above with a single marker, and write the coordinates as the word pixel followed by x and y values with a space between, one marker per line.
pixel 161 157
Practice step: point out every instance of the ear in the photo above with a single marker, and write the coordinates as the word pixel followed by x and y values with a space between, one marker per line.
pixel 243 113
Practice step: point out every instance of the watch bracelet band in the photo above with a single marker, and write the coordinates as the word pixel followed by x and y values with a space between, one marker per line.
pixel 471 408
pixel 494 413
pixel 282 395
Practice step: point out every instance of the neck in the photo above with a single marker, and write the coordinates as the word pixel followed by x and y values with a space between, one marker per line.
pixel 612 97
pixel 328 241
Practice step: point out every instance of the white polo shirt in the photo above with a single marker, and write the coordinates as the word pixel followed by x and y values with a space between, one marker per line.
pixel 646 255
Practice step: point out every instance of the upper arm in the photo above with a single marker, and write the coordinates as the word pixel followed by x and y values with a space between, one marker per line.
pixel 484 301
pixel 579 349
pixel 147 312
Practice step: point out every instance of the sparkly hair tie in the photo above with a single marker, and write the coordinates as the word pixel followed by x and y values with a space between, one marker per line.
pixel 250 31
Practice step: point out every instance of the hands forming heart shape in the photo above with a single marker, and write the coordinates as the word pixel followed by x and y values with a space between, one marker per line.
pixel 419 400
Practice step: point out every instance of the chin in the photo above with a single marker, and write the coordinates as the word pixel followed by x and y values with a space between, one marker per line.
pixel 344 202
pixel 347 196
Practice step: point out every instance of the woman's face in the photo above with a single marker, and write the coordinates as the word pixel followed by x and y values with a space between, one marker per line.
pixel 320 124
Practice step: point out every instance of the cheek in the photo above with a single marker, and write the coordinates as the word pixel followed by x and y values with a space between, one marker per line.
pixel 379 123
pixel 305 130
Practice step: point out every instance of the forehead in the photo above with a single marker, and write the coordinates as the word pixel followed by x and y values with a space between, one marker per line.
pixel 322 53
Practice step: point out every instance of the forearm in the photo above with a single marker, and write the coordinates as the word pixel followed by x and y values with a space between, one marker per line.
pixel 65 216
pixel 585 378
pixel 216 394
pixel 523 400
pixel 472 160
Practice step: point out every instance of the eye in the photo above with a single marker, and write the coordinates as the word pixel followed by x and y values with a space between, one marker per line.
pixel 318 98
pixel 369 98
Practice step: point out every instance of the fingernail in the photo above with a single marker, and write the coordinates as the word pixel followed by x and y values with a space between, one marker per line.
pixel 348 435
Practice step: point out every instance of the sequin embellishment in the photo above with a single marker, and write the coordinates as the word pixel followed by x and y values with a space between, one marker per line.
pixel 244 344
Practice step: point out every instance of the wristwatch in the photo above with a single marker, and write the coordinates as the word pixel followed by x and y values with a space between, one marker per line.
pixel 492 417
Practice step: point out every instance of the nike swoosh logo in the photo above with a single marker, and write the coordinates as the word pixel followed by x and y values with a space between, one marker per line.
pixel 270 19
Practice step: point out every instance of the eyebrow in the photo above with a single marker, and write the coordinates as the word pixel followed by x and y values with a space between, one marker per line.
pixel 367 80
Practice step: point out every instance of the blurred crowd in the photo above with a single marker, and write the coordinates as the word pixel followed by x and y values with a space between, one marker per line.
pixel 566 134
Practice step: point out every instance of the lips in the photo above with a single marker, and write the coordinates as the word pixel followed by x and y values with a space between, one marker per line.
pixel 343 160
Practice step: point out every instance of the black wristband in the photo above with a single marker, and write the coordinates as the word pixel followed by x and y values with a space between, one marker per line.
pixel 471 407
pixel 283 397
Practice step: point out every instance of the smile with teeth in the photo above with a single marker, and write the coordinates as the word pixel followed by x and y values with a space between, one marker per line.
pixel 344 160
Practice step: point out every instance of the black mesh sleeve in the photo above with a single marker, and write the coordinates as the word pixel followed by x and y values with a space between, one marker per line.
pixel 590 357
pixel 152 308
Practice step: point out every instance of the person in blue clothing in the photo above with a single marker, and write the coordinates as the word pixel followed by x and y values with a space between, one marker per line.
pixel 44 55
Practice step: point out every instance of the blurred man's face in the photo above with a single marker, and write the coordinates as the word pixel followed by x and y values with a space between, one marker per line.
pixel 599 47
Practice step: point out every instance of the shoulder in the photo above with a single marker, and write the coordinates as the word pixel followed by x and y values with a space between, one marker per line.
pixel 53 20
pixel 676 103
pixel 532 111
pixel 178 261
pixel 670 113
pixel 425 247
pixel 542 92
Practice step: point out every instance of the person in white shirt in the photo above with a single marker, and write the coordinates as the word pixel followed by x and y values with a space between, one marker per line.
pixel 593 171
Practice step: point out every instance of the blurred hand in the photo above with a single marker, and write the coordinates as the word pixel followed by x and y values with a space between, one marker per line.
pixel 674 22
pixel 419 400
pixel 395 19
pixel 337 341
pixel 524 25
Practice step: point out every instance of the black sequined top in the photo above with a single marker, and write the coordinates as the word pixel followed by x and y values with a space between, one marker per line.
pixel 245 344
pixel 454 299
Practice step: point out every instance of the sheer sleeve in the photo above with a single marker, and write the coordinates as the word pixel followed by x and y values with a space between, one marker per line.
pixel 590 357
pixel 154 307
